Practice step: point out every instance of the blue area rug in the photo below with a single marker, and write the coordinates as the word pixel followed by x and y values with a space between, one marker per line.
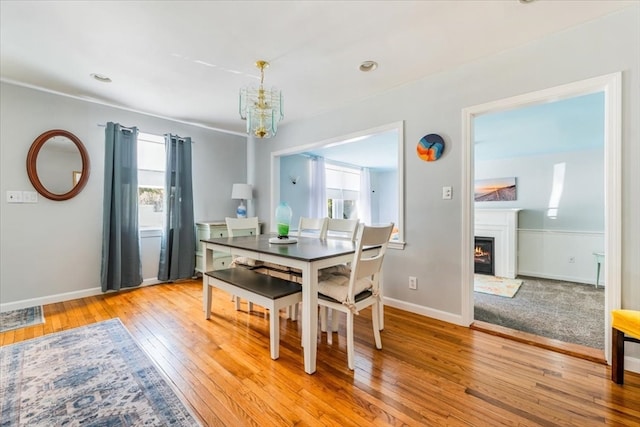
pixel 95 375
pixel 21 318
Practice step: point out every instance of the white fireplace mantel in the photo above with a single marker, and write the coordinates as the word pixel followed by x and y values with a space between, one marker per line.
pixel 502 225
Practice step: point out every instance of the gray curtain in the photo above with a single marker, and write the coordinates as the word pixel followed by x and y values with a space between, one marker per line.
pixel 177 251
pixel 121 265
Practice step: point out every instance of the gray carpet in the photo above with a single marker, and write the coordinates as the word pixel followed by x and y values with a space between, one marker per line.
pixel 566 311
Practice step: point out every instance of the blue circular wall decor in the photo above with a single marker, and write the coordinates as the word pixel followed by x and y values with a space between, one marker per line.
pixel 430 147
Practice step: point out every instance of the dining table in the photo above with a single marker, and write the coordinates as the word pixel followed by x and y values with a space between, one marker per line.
pixel 308 254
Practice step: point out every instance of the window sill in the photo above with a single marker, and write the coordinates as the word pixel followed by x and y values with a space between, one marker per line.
pixel 150 232
pixel 395 244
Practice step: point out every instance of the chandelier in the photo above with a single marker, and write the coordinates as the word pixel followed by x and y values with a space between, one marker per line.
pixel 260 107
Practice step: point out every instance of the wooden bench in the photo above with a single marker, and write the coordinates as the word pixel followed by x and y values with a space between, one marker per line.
pixel 270 292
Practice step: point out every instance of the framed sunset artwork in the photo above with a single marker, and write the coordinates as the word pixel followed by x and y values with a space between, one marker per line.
pixel 495 190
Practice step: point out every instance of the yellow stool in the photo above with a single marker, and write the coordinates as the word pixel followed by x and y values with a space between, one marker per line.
pixel 625 326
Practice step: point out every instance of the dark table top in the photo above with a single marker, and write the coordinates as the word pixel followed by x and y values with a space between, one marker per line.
pixel 306 249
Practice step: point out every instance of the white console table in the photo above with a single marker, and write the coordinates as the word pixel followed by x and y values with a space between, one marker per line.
pixel 211 229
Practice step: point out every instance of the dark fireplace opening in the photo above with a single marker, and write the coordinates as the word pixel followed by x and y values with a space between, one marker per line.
pixel 483 255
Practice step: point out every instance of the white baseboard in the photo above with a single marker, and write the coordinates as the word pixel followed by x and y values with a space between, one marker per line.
pixel 424 311
pixel 542 275
pixel 50 299
pixel 66 296
pixel 632 364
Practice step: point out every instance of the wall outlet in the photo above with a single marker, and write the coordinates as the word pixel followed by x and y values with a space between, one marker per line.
pixel 447 193
pixel 413 282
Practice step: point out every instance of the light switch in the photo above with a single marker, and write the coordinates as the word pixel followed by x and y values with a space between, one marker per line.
pixel 14 196
pixel 446 193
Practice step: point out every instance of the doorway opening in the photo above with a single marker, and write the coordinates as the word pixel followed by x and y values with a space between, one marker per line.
pixel 609 85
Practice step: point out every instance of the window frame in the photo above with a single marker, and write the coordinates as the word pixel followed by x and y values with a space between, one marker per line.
pixel 343 170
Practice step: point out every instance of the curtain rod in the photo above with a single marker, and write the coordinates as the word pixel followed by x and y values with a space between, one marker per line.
pixel 130 129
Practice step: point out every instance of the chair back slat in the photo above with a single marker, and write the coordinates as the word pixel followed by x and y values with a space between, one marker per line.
pixel 237 224
pixel 312 227
pixel 375 235
pixel 364 263
pixel 369 266
pixel 345 229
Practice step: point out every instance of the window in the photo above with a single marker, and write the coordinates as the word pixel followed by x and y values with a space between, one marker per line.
pixel 151 175
pixel 379 149
pixel 343 191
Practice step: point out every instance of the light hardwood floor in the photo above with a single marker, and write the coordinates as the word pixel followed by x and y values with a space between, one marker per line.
pixel 428 372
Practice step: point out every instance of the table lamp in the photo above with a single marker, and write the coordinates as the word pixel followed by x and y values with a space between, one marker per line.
pixel 241 192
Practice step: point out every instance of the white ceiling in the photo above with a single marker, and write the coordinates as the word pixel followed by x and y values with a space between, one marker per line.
pixel 186 60
pixel 377 151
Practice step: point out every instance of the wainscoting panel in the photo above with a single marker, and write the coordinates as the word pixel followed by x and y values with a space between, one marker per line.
pixel 560 255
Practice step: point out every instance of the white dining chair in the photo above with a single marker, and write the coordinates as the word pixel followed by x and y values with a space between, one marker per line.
pixel 361 288
pixel 240 227
pixel 342 229
pixel 307 227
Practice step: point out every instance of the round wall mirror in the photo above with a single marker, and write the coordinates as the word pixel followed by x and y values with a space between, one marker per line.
pixel 58 165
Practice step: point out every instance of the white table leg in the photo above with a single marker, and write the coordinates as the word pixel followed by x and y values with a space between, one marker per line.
pixel 206 297
pixel 381 302
pixel 310 317
pixel 207 263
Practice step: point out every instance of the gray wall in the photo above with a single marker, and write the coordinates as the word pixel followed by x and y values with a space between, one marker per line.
pixel 434 104
pixel 582 204
pixel 297 195
pixel 53 249
pixel 384 208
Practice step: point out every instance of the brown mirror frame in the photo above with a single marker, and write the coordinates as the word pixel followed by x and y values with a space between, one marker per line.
pixel 32 171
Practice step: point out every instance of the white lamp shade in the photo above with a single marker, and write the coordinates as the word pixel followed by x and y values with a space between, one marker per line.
pixel 241 191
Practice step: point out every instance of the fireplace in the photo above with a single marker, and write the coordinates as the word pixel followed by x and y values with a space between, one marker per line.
pixel 484 255
pixel 502 225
